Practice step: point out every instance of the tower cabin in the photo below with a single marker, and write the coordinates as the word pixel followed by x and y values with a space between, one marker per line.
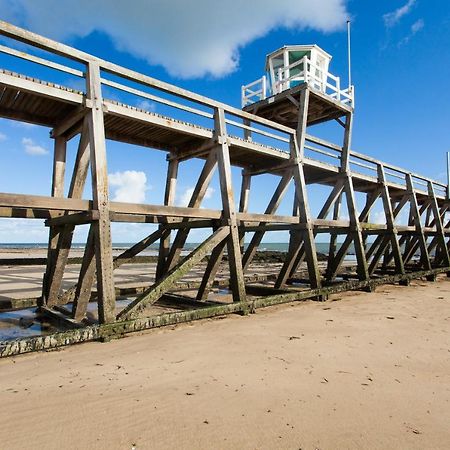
pixel 289 70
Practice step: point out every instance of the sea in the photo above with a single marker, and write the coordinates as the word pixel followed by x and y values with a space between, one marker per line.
pixel 322 247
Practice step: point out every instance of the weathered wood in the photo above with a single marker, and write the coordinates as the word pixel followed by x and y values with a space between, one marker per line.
pixel 211 271
pixel 196 199
pixel 95 332
pixel 64 109
pixel 390 221
pixel 100 195
pixel 440 229
pixel 414 208
pixel 333 236
pixel 56 265
pixel 169 199
pixel 297 146
pixel 59 171
pixel 123 258
pixel 355 233
pixel 296 252
pixel 229 208
pixel 73 219
pixel 164 284
pixel 273 205
pixel 243 203
pixel 86 278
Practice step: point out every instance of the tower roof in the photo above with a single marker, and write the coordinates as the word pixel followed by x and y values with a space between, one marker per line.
pixel 297 48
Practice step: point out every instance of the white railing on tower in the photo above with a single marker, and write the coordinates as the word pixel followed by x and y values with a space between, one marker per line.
pixel 308 72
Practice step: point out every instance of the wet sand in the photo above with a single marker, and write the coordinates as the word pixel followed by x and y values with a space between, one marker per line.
pixel 363 371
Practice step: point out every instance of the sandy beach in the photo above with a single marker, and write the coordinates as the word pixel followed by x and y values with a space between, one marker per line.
pixel 359 371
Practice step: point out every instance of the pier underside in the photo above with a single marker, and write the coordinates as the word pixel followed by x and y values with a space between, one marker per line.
pixel 269 138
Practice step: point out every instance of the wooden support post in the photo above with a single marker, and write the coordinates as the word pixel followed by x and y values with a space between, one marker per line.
pixel 390 221
pixel 272 207
pixel 217 254
pixel 355 228
pixel 163 285
pixel 362 268
pixel 195 202
pixel 211 271
pixel 56 265
pixel 297 149
pixel 169 200
pixel 103 245
pixel 247 132
pixel 437 240
pixel 333 236
pixel 371 198
pixel 229 209
pixel 296 252
pixel 59 170
pixel 127 255
pixel 243 203
pixel 85 279
pixel 439 227
pixel 424 256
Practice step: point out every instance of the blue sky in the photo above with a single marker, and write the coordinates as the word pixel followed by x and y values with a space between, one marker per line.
pixel 401 68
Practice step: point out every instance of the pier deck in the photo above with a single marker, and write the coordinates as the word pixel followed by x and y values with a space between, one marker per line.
pixel 268 137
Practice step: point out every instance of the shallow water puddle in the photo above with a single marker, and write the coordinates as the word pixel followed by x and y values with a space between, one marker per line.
pixel 23 323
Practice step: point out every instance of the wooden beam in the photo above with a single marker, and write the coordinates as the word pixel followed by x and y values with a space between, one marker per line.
pixel 59 171
pixel 229 209
pixel 297 153
pixel 169 199
pixel 196 199
pixel 243 203
pixel 273 205
pixel 414 208
pixel 86 278
pixel 440 229
pixel 56 266
pixel 102 228
pixel 167 282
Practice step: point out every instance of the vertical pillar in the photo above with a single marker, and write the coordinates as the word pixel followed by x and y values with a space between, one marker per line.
pixel 390 221
pixel 59 170
pixel 169 200
pixel 243 203
pixel 102 228
pixel 355 227
pixel 56 265
pixel 333 236
pixel 415 216
pixel 272 207
pixel 229 208
pixel 297 150
pixel 196 199
pixel 439 226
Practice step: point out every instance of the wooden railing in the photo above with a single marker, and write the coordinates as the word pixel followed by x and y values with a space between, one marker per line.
pixel 308 72
pixel 197 109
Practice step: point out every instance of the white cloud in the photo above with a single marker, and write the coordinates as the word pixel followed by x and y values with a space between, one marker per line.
pixel 24 125
pixel 146 105
pixel 189 38
pixel 23 230
pixel 128 186
pixel 187 194
pixel 378 217
pixel 392 18
pixel 31 148
pixel 3 137
pixel 415 28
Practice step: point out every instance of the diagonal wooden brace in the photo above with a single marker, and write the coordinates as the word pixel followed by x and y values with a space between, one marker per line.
pixel 152 294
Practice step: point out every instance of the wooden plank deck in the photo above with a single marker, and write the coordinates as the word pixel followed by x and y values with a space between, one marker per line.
pixel 39 102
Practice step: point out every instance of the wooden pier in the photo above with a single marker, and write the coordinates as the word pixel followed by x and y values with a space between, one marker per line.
pixel 267 137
